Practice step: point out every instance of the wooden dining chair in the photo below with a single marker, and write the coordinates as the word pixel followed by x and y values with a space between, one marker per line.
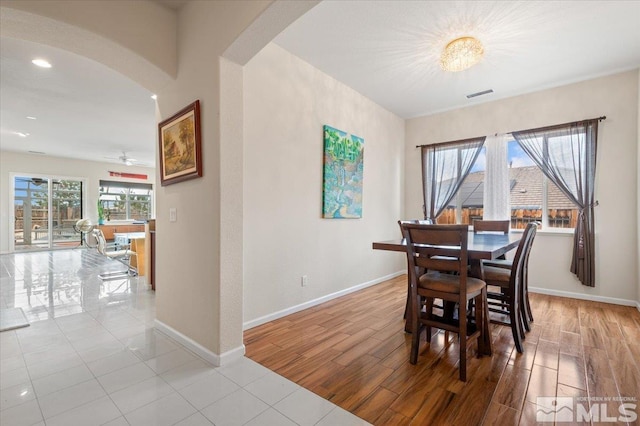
pixel 509 299
pixel 525 305
pixel 449 244
pixel 491 226
pixel 502 226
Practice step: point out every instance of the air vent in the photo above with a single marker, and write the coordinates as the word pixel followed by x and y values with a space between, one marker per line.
pixel 484 92
pixel 37 152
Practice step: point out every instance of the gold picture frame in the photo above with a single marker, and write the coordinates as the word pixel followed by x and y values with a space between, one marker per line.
pixel 181 146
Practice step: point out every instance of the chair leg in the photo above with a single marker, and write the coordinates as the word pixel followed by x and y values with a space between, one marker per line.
pixel 428 308
pixel 514 317
pixel 479 310
pixel 524 315
pixel 462 318
pixel 416 326
pixel 486 331
pixel 525 302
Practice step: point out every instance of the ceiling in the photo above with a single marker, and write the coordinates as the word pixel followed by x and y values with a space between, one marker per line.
pixel 389 50
pixel 386 50
pixel 83 109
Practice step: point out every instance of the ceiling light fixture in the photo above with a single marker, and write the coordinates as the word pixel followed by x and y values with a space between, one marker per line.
pixel 30 117
pixel 22 135
pixel 42 63
pixel 461 53
pixel 154 97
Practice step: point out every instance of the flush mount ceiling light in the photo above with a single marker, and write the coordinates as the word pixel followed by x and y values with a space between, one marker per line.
pixel 461 53
pixel 42 63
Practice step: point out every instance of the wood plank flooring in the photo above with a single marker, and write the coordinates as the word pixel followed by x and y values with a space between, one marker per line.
pixel 353 351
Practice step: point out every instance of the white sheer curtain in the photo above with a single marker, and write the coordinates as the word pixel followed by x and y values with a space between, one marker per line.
pixel 444 167
pixel 496 179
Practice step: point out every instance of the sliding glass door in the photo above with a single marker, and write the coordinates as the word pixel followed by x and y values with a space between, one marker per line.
pixel 45 210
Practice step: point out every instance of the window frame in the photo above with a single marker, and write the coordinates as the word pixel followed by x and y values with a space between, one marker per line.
pixel 545 228
pixel 127 187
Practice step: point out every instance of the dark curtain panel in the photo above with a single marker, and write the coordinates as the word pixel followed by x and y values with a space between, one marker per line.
pixel 567 156
pixel 444 168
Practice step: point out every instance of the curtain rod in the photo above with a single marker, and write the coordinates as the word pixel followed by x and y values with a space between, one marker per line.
pixel 603 117
pixel 452 142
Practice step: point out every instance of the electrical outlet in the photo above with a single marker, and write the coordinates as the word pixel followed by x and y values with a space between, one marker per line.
pixel 304 280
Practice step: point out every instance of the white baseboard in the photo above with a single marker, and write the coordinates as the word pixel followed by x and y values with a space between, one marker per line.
pixel 582 296
pixel 195 347
pixel 311 303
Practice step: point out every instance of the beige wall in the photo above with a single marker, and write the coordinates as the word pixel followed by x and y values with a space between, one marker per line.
pixel 188 295
pixel 188 251
pixel 287 102
pixel 615 96
pixel 31 164
pixel 638 194
pixel 99 30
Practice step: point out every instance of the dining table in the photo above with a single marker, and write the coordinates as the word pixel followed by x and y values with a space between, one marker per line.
pixel 480 246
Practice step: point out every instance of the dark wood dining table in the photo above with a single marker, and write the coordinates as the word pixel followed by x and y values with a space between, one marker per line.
pixel 480 246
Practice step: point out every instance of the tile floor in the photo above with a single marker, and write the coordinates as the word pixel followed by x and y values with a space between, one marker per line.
pixel 92 357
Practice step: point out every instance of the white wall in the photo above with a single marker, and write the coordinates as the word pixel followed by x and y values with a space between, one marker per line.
pixel 30 164
pixel 287 102
pixel 615 96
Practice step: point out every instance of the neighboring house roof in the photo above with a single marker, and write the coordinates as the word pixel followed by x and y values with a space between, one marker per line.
pixel 526 190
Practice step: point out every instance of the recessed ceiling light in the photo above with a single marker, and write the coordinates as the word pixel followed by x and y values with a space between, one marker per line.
pixel 30 117
pixel 22 135
pixel 154 97
pixel 42 63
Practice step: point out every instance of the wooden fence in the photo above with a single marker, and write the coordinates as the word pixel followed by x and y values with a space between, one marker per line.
pixel 558 218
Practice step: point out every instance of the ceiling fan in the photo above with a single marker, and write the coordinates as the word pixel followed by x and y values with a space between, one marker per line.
pixel 126 160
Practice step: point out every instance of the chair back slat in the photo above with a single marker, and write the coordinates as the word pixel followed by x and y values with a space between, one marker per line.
pixel 491 226
pixel 101 241
pixel 522 254
pixel 413 222
pixel 437 247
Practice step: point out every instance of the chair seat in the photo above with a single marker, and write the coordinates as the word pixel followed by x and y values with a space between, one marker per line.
pixel 494 274
pixel 119 253
pixel 499 263
pixel 448 283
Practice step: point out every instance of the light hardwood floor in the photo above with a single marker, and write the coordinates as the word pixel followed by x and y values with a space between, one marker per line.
pixel 353 351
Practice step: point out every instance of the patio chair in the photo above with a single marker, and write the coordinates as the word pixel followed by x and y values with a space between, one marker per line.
pixel 122 255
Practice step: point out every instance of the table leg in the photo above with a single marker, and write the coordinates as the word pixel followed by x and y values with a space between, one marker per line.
pixel 476 272
pixel 408 309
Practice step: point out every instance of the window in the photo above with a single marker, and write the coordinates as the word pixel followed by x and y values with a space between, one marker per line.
pixel 467 204
pixel 530 194
pixel 534 197
pixel 126 200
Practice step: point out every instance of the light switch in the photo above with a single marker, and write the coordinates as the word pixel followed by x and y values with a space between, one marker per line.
pixel 173 214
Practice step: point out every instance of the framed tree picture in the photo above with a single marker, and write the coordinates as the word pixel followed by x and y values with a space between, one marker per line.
pixel 181 146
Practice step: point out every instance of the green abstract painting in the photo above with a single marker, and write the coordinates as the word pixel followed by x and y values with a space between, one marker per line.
pixel 343 166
